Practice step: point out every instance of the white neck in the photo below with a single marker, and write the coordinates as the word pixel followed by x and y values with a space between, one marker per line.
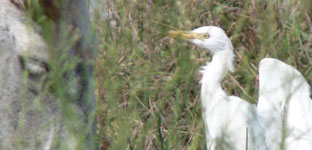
pixel 213 74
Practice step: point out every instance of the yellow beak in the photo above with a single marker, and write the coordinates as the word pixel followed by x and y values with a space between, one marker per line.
pixel 185 35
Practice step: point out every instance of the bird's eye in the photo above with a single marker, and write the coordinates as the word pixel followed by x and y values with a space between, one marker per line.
pixel 205 35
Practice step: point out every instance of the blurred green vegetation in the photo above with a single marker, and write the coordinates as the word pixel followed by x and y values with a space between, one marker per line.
pixel 148 85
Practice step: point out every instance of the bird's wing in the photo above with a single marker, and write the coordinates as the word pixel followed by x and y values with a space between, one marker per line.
pixel 284 99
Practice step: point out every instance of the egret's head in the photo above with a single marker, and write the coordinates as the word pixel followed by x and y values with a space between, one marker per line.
pixel 211 38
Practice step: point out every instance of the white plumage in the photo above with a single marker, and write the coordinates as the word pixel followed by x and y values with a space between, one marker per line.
pixel 284 102
pixel 284 97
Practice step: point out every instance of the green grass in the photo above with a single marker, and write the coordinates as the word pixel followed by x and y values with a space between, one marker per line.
pixel 148 85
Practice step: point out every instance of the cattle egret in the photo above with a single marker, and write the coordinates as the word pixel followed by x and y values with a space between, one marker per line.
pixel 284 101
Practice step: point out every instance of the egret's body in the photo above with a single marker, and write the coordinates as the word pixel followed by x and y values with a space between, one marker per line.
pixel 227 118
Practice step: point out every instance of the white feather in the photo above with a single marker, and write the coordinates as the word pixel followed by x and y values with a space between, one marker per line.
pixel 284 93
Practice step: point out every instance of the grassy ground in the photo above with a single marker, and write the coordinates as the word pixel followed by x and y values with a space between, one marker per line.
pixel 147 84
